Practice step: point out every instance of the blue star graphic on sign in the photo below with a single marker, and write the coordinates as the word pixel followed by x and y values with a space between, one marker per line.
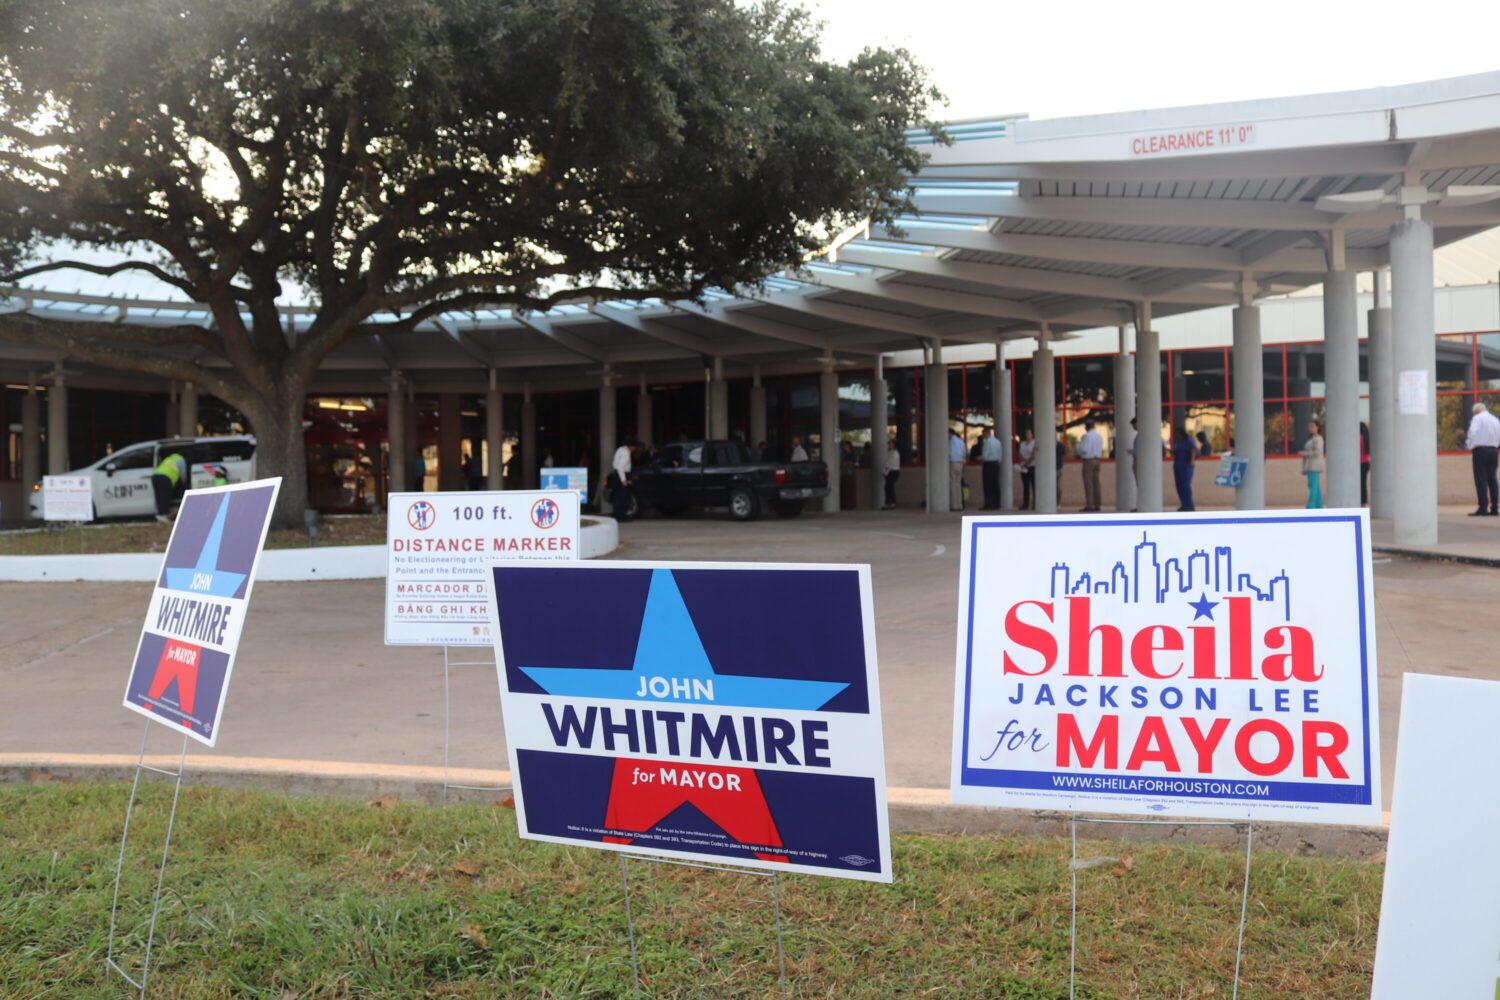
pixel 669 649
pixel 206 577
pixel 1203 607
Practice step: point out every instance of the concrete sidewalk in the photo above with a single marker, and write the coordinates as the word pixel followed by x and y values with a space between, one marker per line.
pixel 315 688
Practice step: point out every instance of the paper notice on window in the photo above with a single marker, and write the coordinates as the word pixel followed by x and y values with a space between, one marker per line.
pixel 1411 393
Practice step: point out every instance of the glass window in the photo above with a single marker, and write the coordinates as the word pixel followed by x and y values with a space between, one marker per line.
pixel 1272 373
pixel 1454 360
pixel 1304 370
pixel 1088 382
pixel 1453 420
pixel 979 381
pixel 1487 365
pixel 133 458
pixel 1199 375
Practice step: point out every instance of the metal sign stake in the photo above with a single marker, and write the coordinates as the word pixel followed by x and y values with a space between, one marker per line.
pixel 775 877
pixel 1074 866
pixel 448 664
pixel 176 776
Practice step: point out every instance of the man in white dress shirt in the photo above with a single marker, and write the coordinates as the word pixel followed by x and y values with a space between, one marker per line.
pixel 1090 450
pixel 622 465
pixel 1482 442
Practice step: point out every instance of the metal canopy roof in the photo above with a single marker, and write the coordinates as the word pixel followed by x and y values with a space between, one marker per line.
pixel 1071 223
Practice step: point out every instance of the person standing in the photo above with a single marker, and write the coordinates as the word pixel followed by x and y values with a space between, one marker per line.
pixel 798 453
pixel 1026 452
pixel 1482 440
pixel 990 454
pixel 1204 448
pixel 1314 464
pixel 1062 456
pixel 1090 450
pixel 164 481
pixel 621 464
pixel 892 473
pixel 1184 453
pixel 1364 463
pixel 955 470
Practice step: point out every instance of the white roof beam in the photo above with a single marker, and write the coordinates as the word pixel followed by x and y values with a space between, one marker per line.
pixel 465 341
pixel 1203 213
pixel 1248 165
pixel 657 330
pixel 853 315
pixel 998 275
pixel 563 338
pixel 923 295
pixel 760 327
pixel 1071 248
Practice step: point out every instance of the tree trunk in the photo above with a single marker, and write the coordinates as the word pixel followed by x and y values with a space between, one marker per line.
pixel 280 450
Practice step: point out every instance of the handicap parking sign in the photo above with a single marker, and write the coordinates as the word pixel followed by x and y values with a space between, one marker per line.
pixel 1231 471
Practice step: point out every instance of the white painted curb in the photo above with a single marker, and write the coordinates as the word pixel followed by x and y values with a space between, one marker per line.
pixel 601 536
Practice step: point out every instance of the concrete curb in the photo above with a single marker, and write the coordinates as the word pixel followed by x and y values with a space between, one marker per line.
pixel 1431 556
pixel 601 535
pixel 912 810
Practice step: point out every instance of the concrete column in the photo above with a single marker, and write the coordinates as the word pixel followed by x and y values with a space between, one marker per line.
pixel 450 442
pixel 1125 498
pixel 494 433
pixel 1341 395
pixel 718 410
pixel 1414 361
pixel 935 424
pixel 31 435
pixel 528 441
pixel 1044 425
pixel 1005 429
pixel 416 484
pixel 187 402
pixel 1249 405
pixel 757 410
pixel 828 432
pixel 879 434
pixel 1382 404
pixel 57 424
pixel 607 432
pixel 174 411
pixel 643 413
pixel 1147 412
pixel 398 445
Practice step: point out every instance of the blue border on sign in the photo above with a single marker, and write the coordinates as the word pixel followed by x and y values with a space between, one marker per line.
pixel 1281 791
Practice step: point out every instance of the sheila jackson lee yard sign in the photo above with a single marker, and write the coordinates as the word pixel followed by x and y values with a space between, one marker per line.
pixel 1183 665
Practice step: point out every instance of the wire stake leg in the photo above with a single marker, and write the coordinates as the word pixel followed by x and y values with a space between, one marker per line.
pixel 635 968
pixel 1239 945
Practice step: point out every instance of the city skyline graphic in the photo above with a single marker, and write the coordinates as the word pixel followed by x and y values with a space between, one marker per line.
pixel 1144 576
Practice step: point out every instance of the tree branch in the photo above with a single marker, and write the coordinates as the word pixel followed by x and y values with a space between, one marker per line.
pixel 107 271
pixel 98 343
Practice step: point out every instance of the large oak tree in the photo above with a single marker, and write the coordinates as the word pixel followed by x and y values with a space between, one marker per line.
pixel 402 158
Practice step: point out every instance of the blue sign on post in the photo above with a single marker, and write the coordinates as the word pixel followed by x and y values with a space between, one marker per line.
pixel 697 711
pixel 1231 471
pixel 567 479
pixel 180 675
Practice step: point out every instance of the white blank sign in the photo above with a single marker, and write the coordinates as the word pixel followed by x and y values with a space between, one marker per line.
pixel 1440 914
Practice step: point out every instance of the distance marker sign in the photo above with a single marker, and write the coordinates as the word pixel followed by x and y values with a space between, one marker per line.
pixel 180 675
pixel 700 711
pixel 1180 665
pixel 437 546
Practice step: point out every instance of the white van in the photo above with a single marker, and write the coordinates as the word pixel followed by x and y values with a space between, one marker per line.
pixel 122 479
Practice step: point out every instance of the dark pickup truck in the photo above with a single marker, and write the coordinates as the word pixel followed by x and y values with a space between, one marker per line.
pixel 722 474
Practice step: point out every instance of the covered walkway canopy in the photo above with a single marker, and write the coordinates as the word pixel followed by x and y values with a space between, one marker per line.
pixel 1027 230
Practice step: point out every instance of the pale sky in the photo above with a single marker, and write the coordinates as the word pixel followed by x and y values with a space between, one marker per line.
pixel 1071 57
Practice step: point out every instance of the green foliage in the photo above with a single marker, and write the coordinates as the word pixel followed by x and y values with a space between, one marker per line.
pixel 274 897
pixel 429 154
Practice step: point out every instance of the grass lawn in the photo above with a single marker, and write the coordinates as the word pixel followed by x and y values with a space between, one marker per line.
pixel 149 536
pixel 281 898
